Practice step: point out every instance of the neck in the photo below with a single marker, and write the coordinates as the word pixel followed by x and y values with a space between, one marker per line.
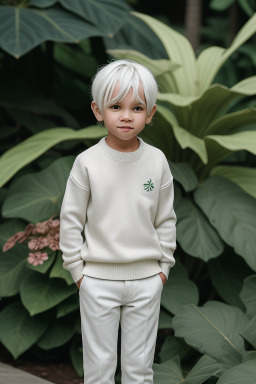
pixel 123 145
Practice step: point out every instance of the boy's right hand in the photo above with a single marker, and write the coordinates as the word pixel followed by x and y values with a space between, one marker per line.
pixel 78 283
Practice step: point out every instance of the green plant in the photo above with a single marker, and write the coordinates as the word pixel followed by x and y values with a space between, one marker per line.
pixel 200 125
pixel 26 24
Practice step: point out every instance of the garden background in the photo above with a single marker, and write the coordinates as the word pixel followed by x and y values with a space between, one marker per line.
pixel 203 54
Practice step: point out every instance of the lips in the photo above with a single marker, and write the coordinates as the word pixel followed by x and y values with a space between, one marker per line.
pixel 125 127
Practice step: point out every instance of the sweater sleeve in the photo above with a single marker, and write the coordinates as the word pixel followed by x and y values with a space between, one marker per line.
pixel 165 221
pixel 73 219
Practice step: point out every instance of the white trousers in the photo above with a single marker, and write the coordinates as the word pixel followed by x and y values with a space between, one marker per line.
pixel 135 304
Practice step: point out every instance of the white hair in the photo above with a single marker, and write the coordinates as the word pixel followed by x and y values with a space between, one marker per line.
pixel 129 74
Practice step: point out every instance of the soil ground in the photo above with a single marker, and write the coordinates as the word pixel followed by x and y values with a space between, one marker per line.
pixel 56 372
pixel 58 368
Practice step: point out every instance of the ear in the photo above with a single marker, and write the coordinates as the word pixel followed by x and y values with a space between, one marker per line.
pixel 96 111
pixel 149 118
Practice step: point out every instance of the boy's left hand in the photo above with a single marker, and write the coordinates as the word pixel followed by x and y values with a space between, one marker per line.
pixel 163 277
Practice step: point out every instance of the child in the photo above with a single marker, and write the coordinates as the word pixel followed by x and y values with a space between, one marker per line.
pixel 120 192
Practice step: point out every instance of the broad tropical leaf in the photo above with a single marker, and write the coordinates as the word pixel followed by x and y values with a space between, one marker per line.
pixel 22 29
pixel 185 175
pixel 38 196
pixel 201 239
pixel 27 151
pixel 179 51
pixel 13 270
pixel 211 59
pixel 244 177
pixel 178 290
pixel 170 371
pixel 214 330
pixel 243 373
pixel 249 333
pixel 248 295
pixel 227 274
pixel 184 137
pixel 59 333
pixel 107 15
pixel 232 212
pixel 39 293
pixel 173 346
pixel 14 318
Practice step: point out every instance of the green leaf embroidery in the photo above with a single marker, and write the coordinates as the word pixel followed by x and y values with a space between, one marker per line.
pixel 148 186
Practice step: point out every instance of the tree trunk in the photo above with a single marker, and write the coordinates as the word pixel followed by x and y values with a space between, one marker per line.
pixel 232 25
pixel 193 19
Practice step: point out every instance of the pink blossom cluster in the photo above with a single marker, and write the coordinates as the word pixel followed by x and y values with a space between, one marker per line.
pixel 39 236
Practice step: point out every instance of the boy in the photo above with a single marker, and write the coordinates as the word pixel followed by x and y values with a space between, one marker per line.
pixel 120 192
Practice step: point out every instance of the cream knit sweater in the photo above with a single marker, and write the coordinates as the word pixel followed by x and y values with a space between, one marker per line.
pixel 123 204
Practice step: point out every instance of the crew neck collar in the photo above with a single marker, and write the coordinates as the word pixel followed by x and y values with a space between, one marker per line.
pixel 122 156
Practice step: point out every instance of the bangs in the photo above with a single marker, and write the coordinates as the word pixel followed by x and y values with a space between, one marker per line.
pixel 126 78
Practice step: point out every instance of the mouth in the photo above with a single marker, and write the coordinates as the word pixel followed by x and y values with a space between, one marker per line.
pixel 126 127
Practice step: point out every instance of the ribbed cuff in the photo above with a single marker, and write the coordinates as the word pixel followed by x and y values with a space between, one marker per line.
pixel 76 272
pixel 165 268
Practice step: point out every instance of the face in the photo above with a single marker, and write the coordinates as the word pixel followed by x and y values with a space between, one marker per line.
pixel 126 119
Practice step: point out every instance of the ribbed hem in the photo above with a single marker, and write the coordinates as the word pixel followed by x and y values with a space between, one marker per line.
pixel 122 271
pixel 165 267
pixel 122 156
pixel 77 272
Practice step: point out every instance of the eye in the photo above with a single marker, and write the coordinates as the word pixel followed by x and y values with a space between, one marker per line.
pixel 138 108
pixel 115 106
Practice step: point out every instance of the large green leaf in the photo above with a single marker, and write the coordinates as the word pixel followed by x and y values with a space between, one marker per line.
pixel 179 51
pixel 8 229
pixel 232 123
pixel 185 175
pixel 178 290
pixel 71 304
pixel 19 331
pixel 60 272
pixel 219 147
pixel 213 330
pixel 195 234
pixel 198 114
pixel 13 270
pixel 39 293
pixel 107 15
pixel 244 373
pixel 221 5
pixel 76 356
pixel 43 268
pixel 173 346
pixel 248 295
pixel 165 319
pixel 22 29
pixel 23 104
pixel 38 196
pixel 135 34
pixel 244 177
pixel 232 212
pixel 59 333
pixel 161 68
pixel 23 153
pixel 249 333
pixel 229 285
pixel 211 59
pixel 170 371
pixel 184 137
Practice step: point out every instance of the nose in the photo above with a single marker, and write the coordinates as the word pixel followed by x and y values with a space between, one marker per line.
pixel 126 115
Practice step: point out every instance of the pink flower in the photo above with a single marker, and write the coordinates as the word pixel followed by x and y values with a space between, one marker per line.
pixel 37 258
pixel 42 227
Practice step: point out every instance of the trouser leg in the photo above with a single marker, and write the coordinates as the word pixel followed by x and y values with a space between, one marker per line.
pixel 139 326
pixel 100 316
